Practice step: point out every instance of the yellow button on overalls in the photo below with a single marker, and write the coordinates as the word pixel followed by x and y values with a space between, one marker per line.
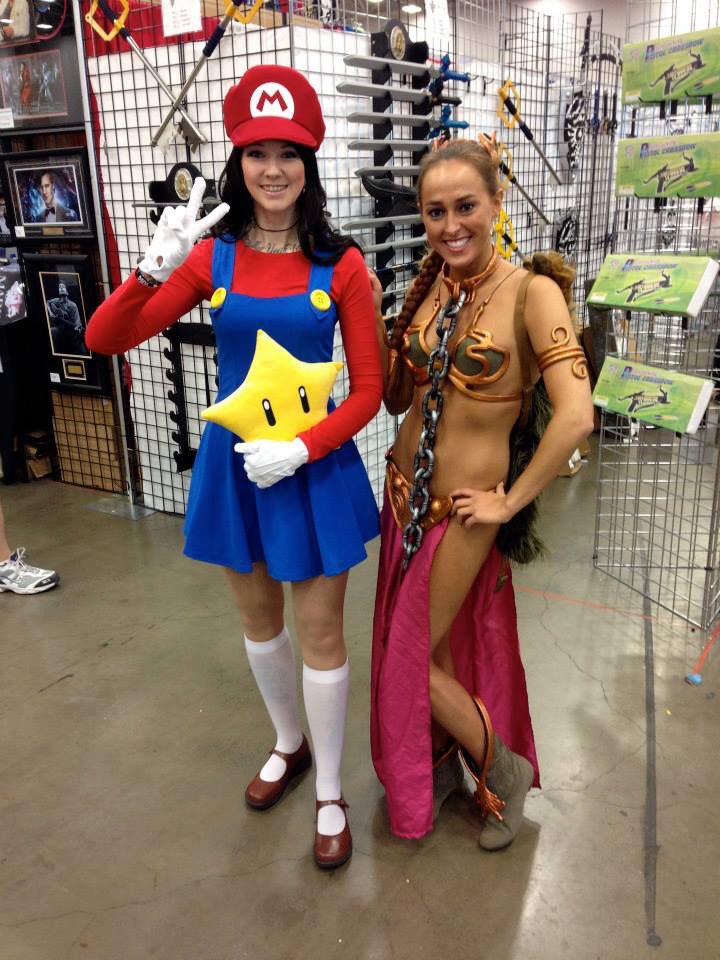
pixel 320 300
pixel 218 297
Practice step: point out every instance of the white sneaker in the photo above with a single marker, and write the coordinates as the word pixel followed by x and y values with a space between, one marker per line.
pixel 20 577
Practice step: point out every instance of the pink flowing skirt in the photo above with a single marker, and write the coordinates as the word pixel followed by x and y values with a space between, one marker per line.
pixel 486 655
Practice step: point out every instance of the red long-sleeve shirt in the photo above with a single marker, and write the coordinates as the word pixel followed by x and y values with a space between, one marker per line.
pixel 135 312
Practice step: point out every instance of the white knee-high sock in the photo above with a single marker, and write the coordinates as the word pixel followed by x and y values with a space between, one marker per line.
pixel 273 666
pixel 326 698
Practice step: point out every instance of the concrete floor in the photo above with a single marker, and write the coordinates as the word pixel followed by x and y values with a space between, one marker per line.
pixel 130 726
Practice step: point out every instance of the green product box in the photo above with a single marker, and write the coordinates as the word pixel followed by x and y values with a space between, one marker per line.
pixel 664 398
pixel 655 283
pixel 686 166
pixel 687 65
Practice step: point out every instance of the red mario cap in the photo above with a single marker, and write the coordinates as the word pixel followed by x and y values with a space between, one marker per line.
pixel 273 103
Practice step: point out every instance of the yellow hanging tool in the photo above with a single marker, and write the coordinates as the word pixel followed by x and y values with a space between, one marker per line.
pixel 508 177
pixel 510 100
pixel 505 237
pixel 232 12
pixel 188 129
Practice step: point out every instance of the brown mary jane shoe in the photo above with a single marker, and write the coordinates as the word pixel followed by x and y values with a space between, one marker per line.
pixel 262 794
pixel 334 851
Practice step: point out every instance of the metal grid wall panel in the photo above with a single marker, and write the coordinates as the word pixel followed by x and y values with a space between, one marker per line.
pixel 491 41
pixel 658 508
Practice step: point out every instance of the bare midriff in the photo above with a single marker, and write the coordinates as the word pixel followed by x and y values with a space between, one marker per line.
pixel 472 442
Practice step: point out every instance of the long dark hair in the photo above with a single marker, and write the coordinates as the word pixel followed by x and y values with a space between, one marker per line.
pixel 318 240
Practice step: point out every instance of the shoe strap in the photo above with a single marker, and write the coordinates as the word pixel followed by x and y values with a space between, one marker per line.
pixel 448 751
pixel 287 757
pixel 489 735
pixel 487 801
pixel 332 803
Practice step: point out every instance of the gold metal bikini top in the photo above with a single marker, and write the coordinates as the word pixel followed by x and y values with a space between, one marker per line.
pixel 476 361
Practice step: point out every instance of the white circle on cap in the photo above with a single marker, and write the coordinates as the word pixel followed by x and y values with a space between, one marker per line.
pixel 272 100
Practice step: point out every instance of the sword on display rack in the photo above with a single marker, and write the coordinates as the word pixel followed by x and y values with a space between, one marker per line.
pixel 386 275
pixel 595 118
pixel 405 244
pixel 446 124
pixel 443 75
pixel 394 56
pixel 509 177
pixel 565 233
pixel 575 115
pixel 395 206
pixel 505 243
pixel 186 128
pixel 200 335
pixel 232 12
pixel 421 99
pixel 515 120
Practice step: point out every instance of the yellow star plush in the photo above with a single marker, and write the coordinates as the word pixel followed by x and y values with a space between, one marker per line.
pixel 280 396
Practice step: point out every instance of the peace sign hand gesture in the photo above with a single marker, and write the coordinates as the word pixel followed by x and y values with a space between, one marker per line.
pixel 177 232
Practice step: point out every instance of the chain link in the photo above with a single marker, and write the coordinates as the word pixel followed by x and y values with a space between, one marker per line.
pixel 432 408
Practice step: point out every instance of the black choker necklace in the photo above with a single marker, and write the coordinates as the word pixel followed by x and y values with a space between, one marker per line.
pixel 274 230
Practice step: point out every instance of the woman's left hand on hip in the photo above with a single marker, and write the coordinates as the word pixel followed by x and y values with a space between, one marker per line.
pixel 471 507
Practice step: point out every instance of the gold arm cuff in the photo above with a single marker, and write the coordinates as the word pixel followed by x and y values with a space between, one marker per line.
pixel 561 351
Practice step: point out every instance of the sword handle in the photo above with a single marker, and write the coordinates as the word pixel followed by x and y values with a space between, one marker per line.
pixel 244 17
pixel 118 23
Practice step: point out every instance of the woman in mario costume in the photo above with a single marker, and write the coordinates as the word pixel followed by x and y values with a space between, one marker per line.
pixel 294 502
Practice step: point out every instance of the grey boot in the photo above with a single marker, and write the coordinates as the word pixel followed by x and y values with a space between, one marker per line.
pixel 500 788
pixel 510 777
pixel 447 778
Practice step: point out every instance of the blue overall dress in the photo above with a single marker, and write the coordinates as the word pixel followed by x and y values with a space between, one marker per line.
pixel 315 522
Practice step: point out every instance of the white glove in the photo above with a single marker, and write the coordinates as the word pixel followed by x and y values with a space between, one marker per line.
pixel 177 232
pixel 267 461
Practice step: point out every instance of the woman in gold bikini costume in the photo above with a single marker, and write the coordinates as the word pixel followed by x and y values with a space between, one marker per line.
pixel 446 664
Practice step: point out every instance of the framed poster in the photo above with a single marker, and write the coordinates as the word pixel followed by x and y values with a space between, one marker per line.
pixel 40 85
pixel 12 288
pixel 30 21
pixel 49 193
pixel 17 22
pixel 32 85
pixel 61 298
pixel 5 227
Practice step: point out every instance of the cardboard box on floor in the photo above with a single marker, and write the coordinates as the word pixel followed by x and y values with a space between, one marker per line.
pixel 37 456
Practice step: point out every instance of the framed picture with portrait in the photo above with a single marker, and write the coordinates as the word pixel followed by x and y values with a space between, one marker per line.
pixel 49 193
pixel 17 22
pixel 60 298
pixel 12 288
pixel 5 226
pixel 32 21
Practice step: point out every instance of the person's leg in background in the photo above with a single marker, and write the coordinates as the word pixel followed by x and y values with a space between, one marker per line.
pixel 18 576
pixel 4 546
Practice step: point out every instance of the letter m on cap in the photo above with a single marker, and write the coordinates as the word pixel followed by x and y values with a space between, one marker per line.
pixel 272 100
pixel 269 99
